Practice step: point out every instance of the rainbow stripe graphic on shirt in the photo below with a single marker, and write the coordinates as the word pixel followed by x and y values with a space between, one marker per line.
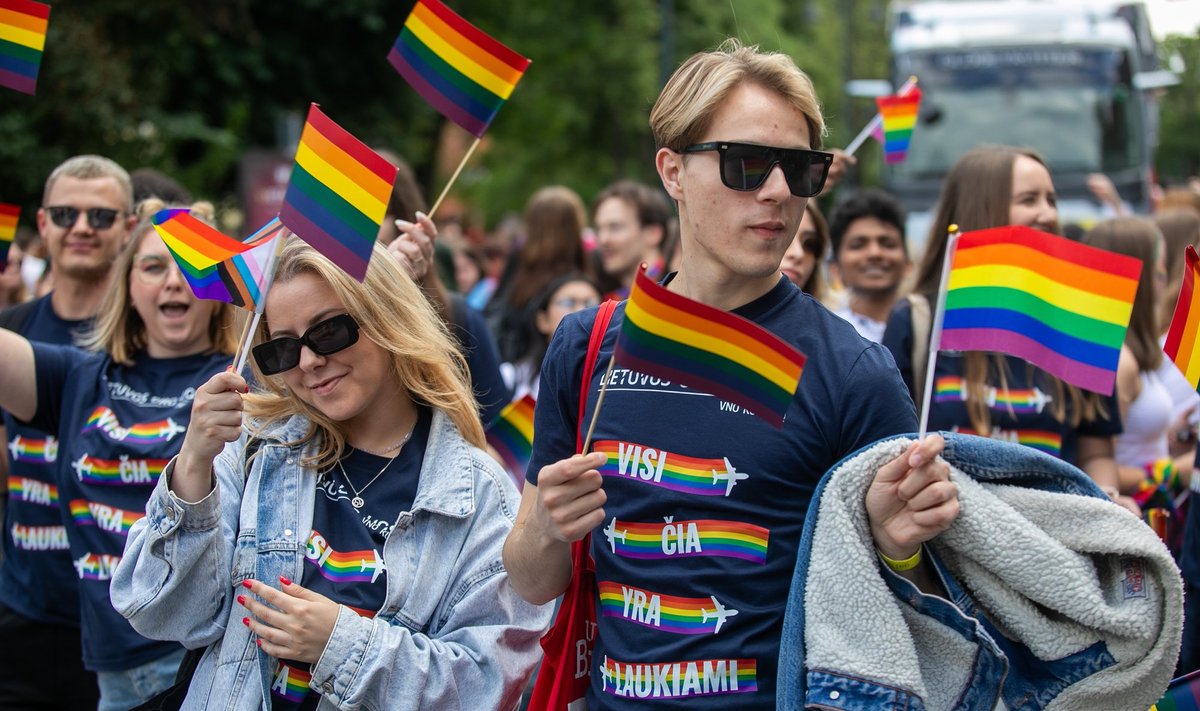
pixel 105 420
pixel 32 491
pixel 39 538
pixel 96 566
pixel 1044 440
pixel 690 475
pixel 677 680
pixel 1018 402
pixel 346 567
pixel 125 471
pixel 32 450
pixel 104 517
pixel 688 539
pixel 291 683
pixel 669 613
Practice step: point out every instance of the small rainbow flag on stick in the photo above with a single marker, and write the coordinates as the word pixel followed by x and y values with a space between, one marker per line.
pixel 217 267
pixel 461 71
pixel 672 337
pixel 22 38
pixel 338 193
pixel 8 229
pixel 512 436
pixel 899 114
pixel 1059 304
pixel 1180 346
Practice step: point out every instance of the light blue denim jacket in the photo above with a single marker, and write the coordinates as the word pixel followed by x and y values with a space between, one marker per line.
pixel 452 632
pixel 1056 598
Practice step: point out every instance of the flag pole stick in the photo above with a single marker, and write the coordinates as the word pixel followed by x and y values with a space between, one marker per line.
pixel 876 121
pixel 935 335
pixel 587 441
pixel 268 279
pixel 454 177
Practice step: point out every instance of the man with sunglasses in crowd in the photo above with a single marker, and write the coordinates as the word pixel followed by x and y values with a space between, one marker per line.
pixel 689 616
pixel 85 218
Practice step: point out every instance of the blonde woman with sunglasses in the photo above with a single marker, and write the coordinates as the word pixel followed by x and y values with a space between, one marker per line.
pixel 116 413
pixel 333 538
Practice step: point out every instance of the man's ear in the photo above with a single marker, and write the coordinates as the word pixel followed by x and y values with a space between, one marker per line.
pixel 670 169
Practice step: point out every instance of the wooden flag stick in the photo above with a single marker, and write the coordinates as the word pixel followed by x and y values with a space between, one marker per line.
pixel 935 335
pixel 454 177
pixel 268 279
pixel 587 441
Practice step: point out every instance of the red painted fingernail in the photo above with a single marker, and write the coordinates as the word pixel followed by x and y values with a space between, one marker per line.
pixel 241 599
pixel 247 583
pixel 284 580
pixel 246 621
pixel 259 643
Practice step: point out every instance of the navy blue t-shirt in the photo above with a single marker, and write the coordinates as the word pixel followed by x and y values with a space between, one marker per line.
pixel 1022 412
pixel 706 502
pixel 344 558
pixel 117 427
pixel 37 579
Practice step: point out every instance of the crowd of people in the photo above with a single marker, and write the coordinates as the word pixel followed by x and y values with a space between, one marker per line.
pixel 333 531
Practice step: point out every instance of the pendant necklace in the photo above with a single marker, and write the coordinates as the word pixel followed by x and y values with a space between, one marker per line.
pixel 357 502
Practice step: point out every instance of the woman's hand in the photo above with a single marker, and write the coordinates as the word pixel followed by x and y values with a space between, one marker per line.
pixel 413 248
pixel 216 420
pixel 298 627
pixel 911 499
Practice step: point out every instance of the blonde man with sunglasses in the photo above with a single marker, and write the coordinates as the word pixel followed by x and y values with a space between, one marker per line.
pixel 686 621
pixel 85 218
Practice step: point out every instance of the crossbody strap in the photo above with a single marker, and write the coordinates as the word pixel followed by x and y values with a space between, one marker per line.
pixel 599 328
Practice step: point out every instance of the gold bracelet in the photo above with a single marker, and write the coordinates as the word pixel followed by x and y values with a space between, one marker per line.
pixel 900 566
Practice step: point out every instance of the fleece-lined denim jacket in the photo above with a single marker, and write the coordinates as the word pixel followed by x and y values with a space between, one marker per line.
pixel 452 633
pixel 1056 597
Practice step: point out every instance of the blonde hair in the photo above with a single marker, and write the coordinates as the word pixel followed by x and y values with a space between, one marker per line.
pixel 119 330
pixel 700 85
pixel 392 313
pixel 92 167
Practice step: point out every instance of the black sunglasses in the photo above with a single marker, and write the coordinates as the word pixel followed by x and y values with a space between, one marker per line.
pixel 325 338
pixel 745 166
pixel 99 218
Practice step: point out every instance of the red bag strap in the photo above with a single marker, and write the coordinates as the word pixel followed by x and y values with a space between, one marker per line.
pixel 599 328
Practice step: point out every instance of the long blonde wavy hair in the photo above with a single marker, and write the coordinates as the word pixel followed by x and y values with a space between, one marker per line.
pixel 393 313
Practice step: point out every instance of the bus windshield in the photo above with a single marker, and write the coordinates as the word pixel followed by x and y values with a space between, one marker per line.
pixel 1075 106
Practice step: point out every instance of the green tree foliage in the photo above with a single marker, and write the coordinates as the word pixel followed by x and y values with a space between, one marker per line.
pixel 1179 150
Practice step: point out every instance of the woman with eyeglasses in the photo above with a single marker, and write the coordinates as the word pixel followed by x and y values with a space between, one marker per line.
pixel 565 295
pixel 117 412
pixel 333 538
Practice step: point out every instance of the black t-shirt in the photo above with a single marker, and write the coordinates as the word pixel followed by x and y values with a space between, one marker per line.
pixel 706 503
pixel 344 557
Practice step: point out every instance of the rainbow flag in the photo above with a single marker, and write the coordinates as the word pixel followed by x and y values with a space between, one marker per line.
pixel 338 193
pixel 512 436
pixel 672 337
pixel 461 71
pixel 22 39
pixel 1059 304
pixel 1182 695
pixel 1180 345
pixel 899 114
pixel 8 229
pixel 217 267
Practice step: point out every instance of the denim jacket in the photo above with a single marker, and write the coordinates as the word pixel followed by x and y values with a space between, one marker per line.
pixel 452 632
pixel 1055 597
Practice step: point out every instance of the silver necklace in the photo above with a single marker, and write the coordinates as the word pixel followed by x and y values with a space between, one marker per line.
pixel 357 502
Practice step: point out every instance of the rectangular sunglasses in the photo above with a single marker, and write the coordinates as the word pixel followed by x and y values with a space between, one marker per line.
pixel 99 218
pixel 325 338
pixel 745 166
